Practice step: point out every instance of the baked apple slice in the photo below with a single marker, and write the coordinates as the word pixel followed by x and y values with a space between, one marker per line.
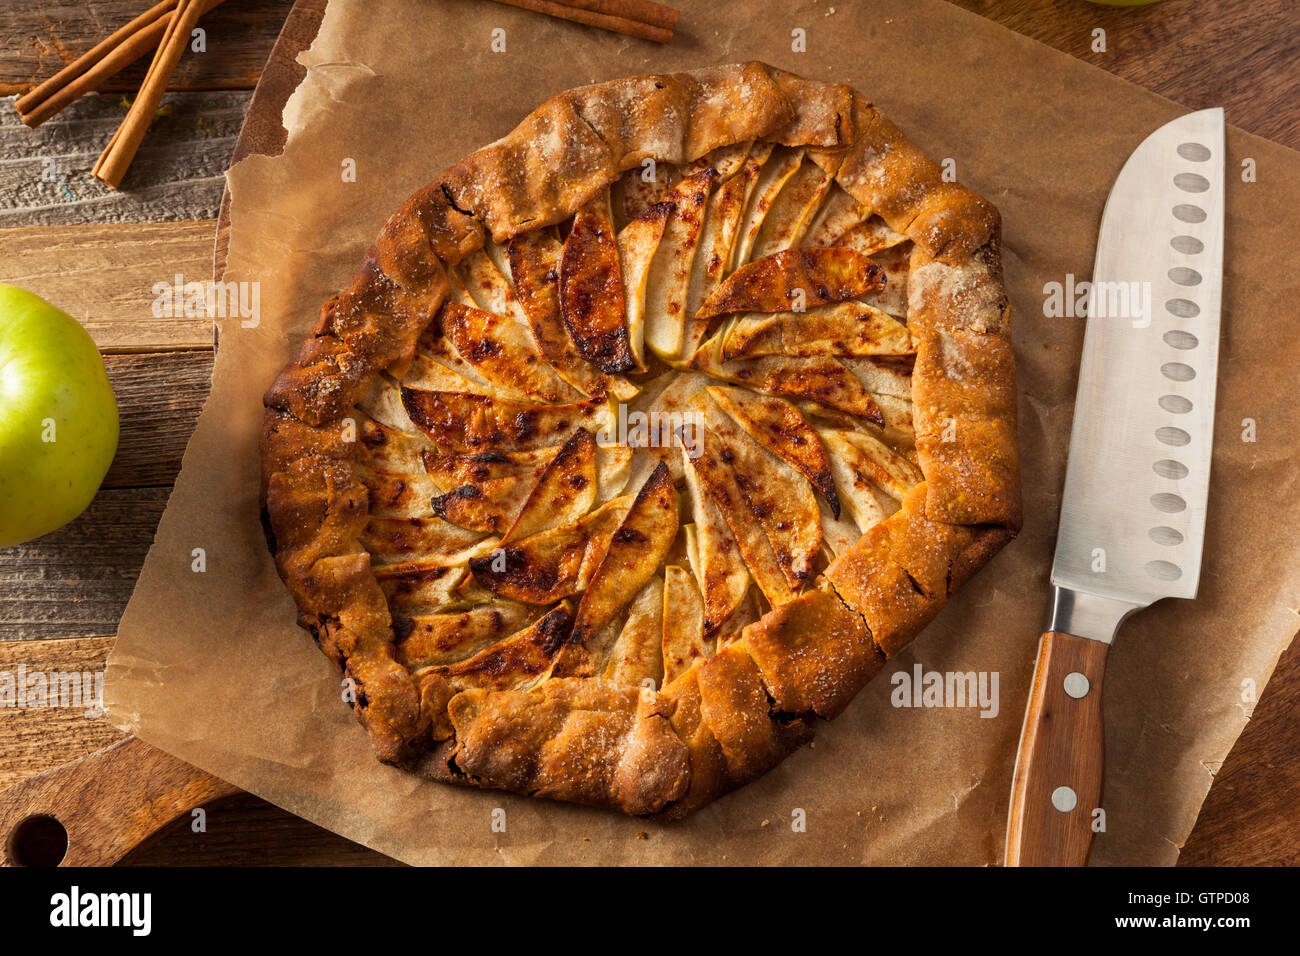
pixel 591 290
pixel 717 478
pixel 554 564
pixel 842 328
pixel 892 297
pixel 792 212
pixel 386 448
pixel 714 556
pixel 534 260
pixel 779 165
pixel 455 422
pixel 793 278
pixel 781 499
pixel 683 623
pixel 634 554
pixel 503 352
pixel 869 237
pixel 400 494
pixel 564 492
pixel 637 242
pixel 669 279
pixel 838 214
pixel 819 379
pixel 777 425
pixel 392 539
pixel 637 656
pixel 415 586
pixel 445 637
pixel 874 460
pixel 721 225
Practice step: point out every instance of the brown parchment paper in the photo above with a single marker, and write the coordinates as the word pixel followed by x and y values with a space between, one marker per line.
pixel 211 667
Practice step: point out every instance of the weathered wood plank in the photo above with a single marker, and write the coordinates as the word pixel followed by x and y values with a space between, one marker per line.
pixel 159 397
pixel 37 40
pixel 39 738
pixel 1239 56
pixel 179 172
pixel 102 275
pixel 75 582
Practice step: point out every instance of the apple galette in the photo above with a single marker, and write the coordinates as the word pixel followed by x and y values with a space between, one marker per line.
pixel 644 436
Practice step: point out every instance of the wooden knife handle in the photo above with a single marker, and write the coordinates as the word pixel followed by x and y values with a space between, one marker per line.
pixel 1057 782
pixel 106 802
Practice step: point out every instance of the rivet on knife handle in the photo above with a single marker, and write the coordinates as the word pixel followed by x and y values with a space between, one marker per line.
pixel 1057 782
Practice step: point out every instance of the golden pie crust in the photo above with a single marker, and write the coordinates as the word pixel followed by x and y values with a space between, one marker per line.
pixel 508 623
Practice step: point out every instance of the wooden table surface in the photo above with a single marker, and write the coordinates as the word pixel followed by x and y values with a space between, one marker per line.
pixel 97 254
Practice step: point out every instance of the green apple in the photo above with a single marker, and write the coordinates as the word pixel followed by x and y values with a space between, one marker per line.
pixel 58 417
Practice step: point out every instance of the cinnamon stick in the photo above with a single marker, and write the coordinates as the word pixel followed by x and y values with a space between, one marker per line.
pixel 104 48
pixel 625 25
pixel 647 11
pixel 107 58
pixel 113 162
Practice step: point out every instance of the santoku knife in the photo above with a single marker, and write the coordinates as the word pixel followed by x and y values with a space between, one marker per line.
pixel 1133 510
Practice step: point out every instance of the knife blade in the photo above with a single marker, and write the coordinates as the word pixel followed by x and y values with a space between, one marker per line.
pixel 1132 523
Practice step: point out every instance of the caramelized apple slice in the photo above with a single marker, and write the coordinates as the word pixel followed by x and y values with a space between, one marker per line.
pixel 820 379
pixel 487 491
pixel 721 224
pixel 547 567
pixel 385 447
pixel 399 494
pixel 445 637
pixel 843 328
pixel 503 352
pixel 870 236
pixel 633 555
pixel 715 475
pixel 518 661
pixel 792 212
pixel 777 425
pixel 781 499
pixel 683 623
pixel 714 556
pixel 535 267
pixel 591 289
pixel 641 187
pixel 637 655
pixel 670 271
pixel 893 297
pixel 565 491
pixel 455 422
pixel 414 586
pixel 874 460
pixel 839 213
pixel 778 282
pixel 637 243
pixel 392 539
pixel 779 165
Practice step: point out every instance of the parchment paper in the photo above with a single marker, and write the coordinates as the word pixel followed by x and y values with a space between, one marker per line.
pixel 211 667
